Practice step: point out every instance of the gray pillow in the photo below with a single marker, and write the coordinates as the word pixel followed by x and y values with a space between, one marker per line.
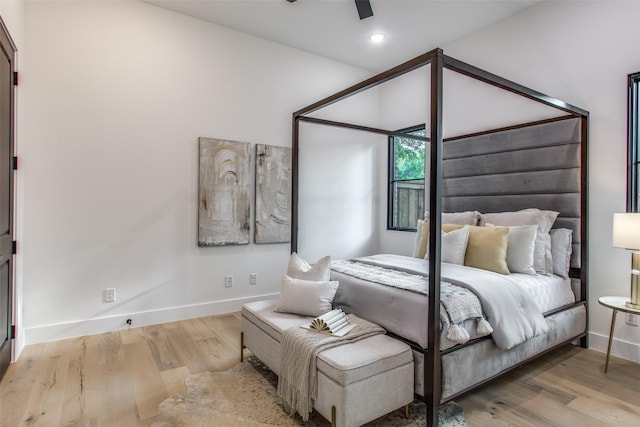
pixel 561 251
pixel 467 217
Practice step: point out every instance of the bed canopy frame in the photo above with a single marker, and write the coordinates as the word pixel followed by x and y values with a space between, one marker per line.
pixel 438 62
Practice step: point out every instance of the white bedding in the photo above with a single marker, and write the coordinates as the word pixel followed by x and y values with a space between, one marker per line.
pixel 549 292
pixel 405 313
pixel 457 304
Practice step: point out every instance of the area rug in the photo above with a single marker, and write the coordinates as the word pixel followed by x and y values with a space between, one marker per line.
pixel 246 396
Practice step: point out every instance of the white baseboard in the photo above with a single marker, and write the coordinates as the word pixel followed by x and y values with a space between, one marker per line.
pixel 100 325
pixel 619 348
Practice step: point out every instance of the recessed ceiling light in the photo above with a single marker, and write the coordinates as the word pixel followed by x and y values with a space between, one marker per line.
pixel 377 37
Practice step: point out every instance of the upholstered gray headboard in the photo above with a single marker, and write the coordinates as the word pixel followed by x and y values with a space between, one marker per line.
pixel 537 166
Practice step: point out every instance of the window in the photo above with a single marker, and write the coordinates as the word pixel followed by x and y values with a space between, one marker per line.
pixel 633 165
pixel 406 180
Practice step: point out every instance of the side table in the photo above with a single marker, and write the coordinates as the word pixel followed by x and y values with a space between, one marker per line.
pixel 616 304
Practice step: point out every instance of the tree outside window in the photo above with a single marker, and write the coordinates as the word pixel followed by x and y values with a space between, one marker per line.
pixel 406 180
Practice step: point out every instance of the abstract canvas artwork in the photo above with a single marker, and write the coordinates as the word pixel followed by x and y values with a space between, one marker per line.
pixel 273 194
pixel 224 202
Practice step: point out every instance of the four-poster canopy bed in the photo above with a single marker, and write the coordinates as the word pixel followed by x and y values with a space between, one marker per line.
pixel 541 164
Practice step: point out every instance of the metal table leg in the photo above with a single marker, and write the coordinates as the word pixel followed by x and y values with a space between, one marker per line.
pixel 613 325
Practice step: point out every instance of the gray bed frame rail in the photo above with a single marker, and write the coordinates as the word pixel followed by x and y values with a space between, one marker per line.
pixel 558 183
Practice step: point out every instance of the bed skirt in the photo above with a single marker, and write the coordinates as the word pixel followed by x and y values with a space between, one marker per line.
pixel 474 364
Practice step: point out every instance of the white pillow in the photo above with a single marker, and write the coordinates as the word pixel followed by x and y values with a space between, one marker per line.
pixel 561 251
pixel 299 268
pixel 546 220
pixel 306 297
pixel 542 262
pixel 521 248
pixel 467 217
pixel 453 246
pixel 416 242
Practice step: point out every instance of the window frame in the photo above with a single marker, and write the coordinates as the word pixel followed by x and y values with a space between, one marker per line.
pixel 391 176
pixel 633 160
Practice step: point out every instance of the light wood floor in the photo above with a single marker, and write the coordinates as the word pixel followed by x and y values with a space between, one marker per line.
pixel 120 378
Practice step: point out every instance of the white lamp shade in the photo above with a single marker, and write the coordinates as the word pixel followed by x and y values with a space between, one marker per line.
pixel 626 230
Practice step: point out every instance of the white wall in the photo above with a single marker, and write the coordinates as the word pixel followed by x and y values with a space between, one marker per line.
pixel 12 12
pixel 116 95
pixel 580 52
pixel 340 192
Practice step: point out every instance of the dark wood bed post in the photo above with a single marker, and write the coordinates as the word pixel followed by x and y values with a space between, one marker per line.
pixel 584 229
pixel 433 369
pixel 294 181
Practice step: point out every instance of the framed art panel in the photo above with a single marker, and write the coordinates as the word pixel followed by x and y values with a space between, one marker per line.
pixel 273 194
pixel 224 203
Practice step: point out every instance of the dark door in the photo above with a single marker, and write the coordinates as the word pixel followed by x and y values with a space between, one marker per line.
pixel 7 53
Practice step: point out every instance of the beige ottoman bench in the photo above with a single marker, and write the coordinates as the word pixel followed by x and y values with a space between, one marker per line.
pixel 357 382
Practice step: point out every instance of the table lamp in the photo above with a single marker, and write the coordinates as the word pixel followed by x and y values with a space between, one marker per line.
pixel 626 235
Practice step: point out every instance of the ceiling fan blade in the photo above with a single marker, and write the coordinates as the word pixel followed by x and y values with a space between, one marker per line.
pixel 364 9
pixel 363 6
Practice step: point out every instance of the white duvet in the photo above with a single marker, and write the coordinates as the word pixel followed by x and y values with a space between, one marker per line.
pixel 511 311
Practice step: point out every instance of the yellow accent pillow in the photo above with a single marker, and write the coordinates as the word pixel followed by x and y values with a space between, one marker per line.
pixel 487 248
pixel 424 239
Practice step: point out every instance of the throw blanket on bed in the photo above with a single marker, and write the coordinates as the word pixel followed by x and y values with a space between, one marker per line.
pixel 299 347
pixel 457 303
pixel 512 313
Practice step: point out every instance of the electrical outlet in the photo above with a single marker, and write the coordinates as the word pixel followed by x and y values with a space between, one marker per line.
pixel 632 319
pixel 253 278
pixel 110 295
pixel 228 281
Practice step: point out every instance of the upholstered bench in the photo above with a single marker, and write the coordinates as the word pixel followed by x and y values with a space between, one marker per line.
pixel 357 382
